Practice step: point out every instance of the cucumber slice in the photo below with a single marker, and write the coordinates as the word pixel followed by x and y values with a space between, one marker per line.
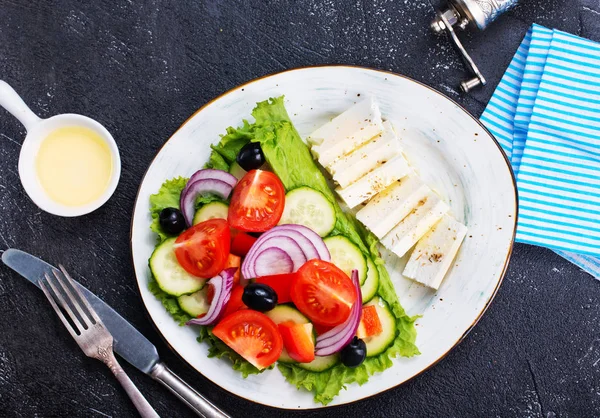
pixel 347 256
pixel 308 207
pixel 212 210
pixel 169 275
pixel 379 343
pixel 237 171
pixel 285 313
pixel 371 284
pixel 195 304
pixel 320 364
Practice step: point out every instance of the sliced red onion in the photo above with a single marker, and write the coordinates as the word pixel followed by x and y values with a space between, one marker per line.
pixel 308 248
pixel 338 337
pixel 191 192
pixel 273 261
pixel 311 247
pixel 222 285
pixel 250 267
pixel 312 236
pixel 210 173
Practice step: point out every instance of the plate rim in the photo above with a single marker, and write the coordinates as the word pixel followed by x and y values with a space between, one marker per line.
pixel 325 66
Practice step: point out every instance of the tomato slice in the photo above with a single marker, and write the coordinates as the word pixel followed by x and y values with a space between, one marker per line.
pixel 257 202
pixel 298 341
pixel 252 335
pixel 321 329
pixel 323 292
pixel 241 243
pixel 281 284
pixel 369 325
pixel 202 250
pixel 235 301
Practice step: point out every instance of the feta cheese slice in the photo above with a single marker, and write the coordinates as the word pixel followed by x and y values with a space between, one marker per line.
pixel 374 182
pixel 417 223
pixel 392 205
pixel 367 157
pixel 434 253
pixel 347 131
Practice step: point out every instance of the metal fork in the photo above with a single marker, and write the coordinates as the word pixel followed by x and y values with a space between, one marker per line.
pixel 89 332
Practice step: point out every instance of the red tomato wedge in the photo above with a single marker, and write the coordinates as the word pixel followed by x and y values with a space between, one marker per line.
pixel 257 202
pixel 369 325
pixel 298 341
pixel 202 250
pixel 321 329
pixel 235 301
pixel 252 335
pixel 281 284
pixel 241 243
pixel 323 292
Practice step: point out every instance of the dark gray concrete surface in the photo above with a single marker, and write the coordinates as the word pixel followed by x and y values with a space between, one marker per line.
pixel 141 68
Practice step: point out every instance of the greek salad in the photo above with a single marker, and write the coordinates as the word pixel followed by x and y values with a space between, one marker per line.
pixel 255 252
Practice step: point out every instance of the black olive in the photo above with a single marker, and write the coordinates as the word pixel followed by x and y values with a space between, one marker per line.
pixel 171 221
pixel 259 297
pixel 354 353
pixel 250 156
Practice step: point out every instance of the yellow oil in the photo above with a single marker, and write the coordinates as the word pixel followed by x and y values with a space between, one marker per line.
pixel 74 165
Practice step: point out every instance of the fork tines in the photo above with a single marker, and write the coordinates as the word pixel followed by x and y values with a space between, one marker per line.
pixel 63 293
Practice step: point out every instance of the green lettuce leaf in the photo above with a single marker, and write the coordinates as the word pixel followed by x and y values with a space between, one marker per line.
pixel 169 302
pixel 167 197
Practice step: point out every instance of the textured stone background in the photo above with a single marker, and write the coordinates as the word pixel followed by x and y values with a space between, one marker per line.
pixel 141 68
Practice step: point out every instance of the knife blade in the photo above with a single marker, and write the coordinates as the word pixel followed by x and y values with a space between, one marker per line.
pixel 129 343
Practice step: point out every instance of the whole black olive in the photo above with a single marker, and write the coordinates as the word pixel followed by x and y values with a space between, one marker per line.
pixel 250 156
pixel 354 353
pixel 171 221
pixel 259 297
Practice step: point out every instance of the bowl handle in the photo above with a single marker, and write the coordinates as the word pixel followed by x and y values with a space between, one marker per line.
pixel 11 101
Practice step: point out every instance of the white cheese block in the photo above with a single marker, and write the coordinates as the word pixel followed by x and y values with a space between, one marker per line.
pixel 367 157
pixel 417 223
pixel 377 180
pixel 389 207
pixel 347 131
pixel 434 253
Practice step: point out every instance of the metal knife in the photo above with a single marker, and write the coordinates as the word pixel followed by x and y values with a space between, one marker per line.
pixel 129 343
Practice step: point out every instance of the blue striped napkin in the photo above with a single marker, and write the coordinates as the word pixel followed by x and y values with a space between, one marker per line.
pixel 546 115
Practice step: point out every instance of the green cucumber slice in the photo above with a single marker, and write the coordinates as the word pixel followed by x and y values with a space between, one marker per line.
pixel 285 313
pixel 169 274
pixel 195 304
pixel 379 343
pixel 212 210
pixel 371 284
pixel 346 255
pixel 308 207
pixel 237 171
pixel 320 364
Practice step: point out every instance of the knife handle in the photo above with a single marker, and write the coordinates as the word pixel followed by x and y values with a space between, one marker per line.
pixel 198 403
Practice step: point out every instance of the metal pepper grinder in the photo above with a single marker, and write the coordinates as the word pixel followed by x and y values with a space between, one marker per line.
pixel 476 14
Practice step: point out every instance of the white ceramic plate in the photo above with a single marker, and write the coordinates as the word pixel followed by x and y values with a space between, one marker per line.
pixel 450 149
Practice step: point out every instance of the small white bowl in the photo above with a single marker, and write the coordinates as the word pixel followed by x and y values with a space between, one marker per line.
pixel 37 130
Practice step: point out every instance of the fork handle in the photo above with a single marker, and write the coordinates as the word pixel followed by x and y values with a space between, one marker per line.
pixel 198 403
pixel 139 401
